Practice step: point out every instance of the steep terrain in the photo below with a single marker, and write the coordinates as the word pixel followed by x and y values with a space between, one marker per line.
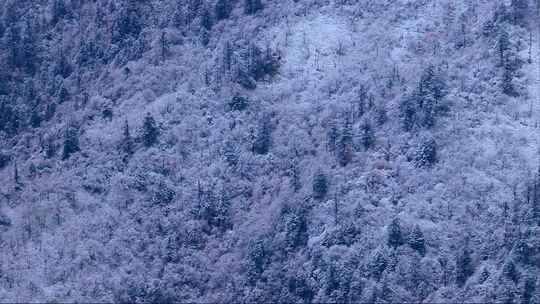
pixel 270 151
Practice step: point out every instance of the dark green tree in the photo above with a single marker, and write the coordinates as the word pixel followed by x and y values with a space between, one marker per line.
pixel 71 142
pixel 464 265
pixel 320 185
pixel 367 135
pixel 395 236
pixel 345 144
pixel 263 137
pixel 520 11
pixel 150 131
pixel 223 9
pixel 529 287
pixel 417 240
pixel 252 6
pixel 426 153
pixel 255 260
pixel 295 175
pixel 164 46
pixel 510 271
pixel 296 228
pixel 126 145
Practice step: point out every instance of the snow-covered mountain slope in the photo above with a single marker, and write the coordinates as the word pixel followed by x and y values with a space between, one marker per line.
pixel 270 151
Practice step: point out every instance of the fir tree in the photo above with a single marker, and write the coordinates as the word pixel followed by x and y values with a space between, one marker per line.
pixel 252 6
pixel 529 287
pixel 150 131
pixel 294 173
pixel 345 143
pixel 223 9
pixel 520 11
pixel 417 241
pixel 71 142
pixel 367 135
pixel 426 154
pixel 332 135
pixel 510 271
pixel 395 236
pixel 163 46
pixel 255 264
pixel 464 265
pixel 126 144
pixel 262 141
pixel 320 185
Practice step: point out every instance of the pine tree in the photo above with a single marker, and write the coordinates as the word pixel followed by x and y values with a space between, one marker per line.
pixel 503 45
pixel 464 265
pixel 431 91
pixel 130 22
pixel 520 11
pixel 150 131
pixel 345 144
pixel 510 272
pixel 35 118
pixel 535 198
pixel 49 147
pixel 58 11
pixel 417 241
pixel 332 135
pixel 127 145
pixel 252 6
pixel 294 173
pixel 529 287
pixel 395 236
pixel 255 264
pixel 222 217
pixel 426 154
pixel 163 46
pixel 407 108
pixel 29 49
pixel 320 185
pixel 71 142
pixel 223 9
pixel 296 234
pixel 206 20
pixel 230 152
pixel 262 141
pixel 16 177
pixel 507 81
pixel 367 135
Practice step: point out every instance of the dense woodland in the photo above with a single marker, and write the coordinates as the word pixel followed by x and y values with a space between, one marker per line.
pixel 336 151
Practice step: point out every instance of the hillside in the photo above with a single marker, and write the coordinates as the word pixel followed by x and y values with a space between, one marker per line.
pixel 270 151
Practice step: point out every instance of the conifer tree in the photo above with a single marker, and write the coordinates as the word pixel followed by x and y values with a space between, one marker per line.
pixel 127 145
pixel 255 263
pixel 464 265
pixel 395 236
pixel 262 141
pixel 163 46
pixel 16 177
pixel 510 272
pixel 367 135
pixel 426 154
pixel 332 136
pixel 294 173
pixel 252 6
pixel 520 11
pixel 223 9
pixel 71 142
pixel 150 131
pixel 320 185
pixel 345 143
pixel 417 241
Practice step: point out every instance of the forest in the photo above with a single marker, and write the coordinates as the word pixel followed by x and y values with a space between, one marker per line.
pixel 270 151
